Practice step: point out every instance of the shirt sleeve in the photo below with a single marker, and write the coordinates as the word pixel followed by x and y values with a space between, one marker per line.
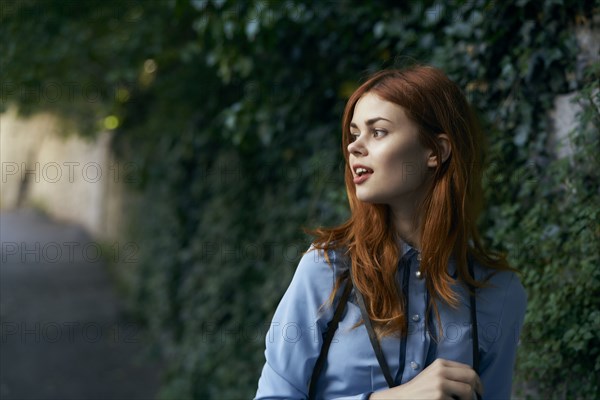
pixel 497 363
pixel 294 338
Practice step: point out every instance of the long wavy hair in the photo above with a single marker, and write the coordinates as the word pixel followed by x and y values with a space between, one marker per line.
pixel 451 206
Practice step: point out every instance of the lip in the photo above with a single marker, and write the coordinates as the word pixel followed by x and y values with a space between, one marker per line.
pixel 360 179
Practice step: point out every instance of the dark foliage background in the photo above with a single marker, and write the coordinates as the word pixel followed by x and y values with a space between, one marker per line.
pixel 228 127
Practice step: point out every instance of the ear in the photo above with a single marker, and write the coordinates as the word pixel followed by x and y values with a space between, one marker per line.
pixel 444 143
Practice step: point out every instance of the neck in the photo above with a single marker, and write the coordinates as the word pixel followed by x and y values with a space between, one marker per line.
pixel 407 226
pixel 406 213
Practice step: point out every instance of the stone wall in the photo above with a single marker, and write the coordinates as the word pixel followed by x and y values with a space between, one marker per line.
pixel 564 113
pixel 71 178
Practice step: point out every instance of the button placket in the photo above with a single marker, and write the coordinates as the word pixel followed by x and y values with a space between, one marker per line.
pixel 416 346
pixel 419 274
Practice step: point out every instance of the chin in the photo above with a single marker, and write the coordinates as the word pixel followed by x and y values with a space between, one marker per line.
pixel 369 198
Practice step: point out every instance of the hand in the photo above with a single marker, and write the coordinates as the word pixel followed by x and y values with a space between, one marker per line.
pixel 443 379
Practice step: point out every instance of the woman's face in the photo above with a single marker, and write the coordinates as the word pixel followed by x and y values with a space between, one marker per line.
pixel 388 163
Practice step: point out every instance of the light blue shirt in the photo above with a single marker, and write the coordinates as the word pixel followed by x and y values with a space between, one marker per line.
pixel 295 336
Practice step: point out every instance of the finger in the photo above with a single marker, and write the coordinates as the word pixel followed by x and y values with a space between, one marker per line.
pixel 458 390
pixel 479 386
pixel 451 363
pixel 464 375
pixel 458 371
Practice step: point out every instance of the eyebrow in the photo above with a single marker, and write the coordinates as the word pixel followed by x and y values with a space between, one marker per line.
pixel 369 122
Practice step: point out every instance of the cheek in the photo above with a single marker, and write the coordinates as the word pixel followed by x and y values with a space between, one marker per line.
pixel 404 167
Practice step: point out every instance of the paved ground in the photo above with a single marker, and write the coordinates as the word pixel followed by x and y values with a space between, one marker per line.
pixel 62 333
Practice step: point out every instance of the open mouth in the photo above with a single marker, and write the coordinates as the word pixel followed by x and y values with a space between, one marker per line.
pixel 360 171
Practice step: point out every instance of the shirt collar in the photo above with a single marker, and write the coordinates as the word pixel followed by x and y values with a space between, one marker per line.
pixel 409 252
pixel 406 248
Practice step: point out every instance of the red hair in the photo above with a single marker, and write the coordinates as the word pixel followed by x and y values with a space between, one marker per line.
pixel 452 203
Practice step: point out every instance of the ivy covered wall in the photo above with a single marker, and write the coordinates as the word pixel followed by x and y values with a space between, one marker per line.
pixel 228 116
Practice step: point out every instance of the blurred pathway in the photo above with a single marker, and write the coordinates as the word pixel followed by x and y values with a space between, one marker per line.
pixel 62 335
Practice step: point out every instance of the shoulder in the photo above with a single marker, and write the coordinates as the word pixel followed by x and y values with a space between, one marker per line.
pixel 502 303
pixel 295 335
pixel 315 277
pixel 317 265
pixel 503 281
pixel 504 288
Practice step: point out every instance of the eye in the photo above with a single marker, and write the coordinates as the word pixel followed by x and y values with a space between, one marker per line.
pixel 354 136
pixel 379 133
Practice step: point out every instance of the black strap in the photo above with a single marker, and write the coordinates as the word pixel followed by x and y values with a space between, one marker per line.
pixel 373 337
pixel 405 286
pixel 375 343
pixel 331 328
pixel 333 325
pixel 474 333
pixel 475 336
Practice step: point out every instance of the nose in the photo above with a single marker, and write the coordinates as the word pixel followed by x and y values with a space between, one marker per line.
pixel 357 147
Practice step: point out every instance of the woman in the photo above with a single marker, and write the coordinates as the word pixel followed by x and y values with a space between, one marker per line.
pixel 443 314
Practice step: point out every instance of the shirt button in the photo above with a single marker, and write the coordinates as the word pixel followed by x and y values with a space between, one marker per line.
pixel 416 318
pixel 418 274
pixel 414 365
pixel 418 256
